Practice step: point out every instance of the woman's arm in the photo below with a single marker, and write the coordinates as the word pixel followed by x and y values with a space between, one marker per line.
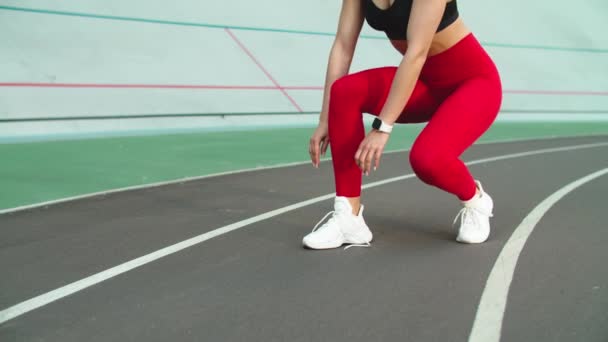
pixel 343 48
pixel 424 20
pixel 340 58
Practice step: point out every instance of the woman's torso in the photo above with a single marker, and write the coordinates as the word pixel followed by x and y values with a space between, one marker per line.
pixel 391 16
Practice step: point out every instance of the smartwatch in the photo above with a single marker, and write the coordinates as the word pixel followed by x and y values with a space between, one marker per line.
pixel 381 126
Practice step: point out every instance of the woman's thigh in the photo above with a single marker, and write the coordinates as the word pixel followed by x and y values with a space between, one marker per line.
pixel 370 88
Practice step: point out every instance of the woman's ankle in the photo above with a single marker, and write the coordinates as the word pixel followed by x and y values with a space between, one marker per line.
pixel 355 203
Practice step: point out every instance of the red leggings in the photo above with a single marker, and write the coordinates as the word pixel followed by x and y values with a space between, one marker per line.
pixel 459 93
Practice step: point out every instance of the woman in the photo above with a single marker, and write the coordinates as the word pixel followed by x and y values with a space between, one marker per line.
pixel 445 78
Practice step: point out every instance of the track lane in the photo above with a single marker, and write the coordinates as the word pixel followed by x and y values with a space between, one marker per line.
pixel 428 233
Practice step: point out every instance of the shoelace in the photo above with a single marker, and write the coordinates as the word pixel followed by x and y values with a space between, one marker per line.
pixel 367 244
pixel 323 219
pixel 467 213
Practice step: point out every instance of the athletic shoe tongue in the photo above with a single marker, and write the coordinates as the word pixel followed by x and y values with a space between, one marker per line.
pixel 342 206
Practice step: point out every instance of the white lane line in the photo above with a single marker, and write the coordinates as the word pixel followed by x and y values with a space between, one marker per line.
pixel 262 168
pixel 488 320
pixel 49 297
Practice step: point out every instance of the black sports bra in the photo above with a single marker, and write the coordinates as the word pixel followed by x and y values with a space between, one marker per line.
pixel 394 19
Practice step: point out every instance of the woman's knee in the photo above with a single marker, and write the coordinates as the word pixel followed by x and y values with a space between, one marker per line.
pixel 426 163
pixel 348 89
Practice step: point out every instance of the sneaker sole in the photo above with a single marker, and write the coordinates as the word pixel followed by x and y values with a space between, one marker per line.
pixel 325 246
pixel 347 241
pixel 458 239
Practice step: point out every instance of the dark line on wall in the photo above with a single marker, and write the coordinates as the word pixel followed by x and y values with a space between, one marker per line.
pixel 151 116
pixel 275 86
pixel 135 86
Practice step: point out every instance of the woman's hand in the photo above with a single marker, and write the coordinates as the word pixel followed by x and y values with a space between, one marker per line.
pixel 318 143
pixel 370 150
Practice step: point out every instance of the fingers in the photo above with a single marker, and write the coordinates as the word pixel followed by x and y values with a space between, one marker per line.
pixel 366 161
pixel 318 143
pixel 358 154
pixel 313 150
pixel 316 148
pixel 324 145
pixel 368 156
pixel 377 163
pixel 362 156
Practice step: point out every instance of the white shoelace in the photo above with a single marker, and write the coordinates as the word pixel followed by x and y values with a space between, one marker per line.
pixel 367 244
pixel 323 219
pixel 467 214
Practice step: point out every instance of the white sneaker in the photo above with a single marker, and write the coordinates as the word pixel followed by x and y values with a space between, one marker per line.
pixel 342 227
pixel 475 218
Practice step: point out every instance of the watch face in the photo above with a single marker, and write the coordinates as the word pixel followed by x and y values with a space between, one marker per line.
pixel 377 123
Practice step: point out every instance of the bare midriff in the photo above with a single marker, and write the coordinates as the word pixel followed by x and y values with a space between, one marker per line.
pixel 442 41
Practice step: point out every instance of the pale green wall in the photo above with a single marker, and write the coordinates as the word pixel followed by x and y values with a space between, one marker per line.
pixel 70 49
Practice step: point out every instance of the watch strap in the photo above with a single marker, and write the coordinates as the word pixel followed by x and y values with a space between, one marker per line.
pixel 382 126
